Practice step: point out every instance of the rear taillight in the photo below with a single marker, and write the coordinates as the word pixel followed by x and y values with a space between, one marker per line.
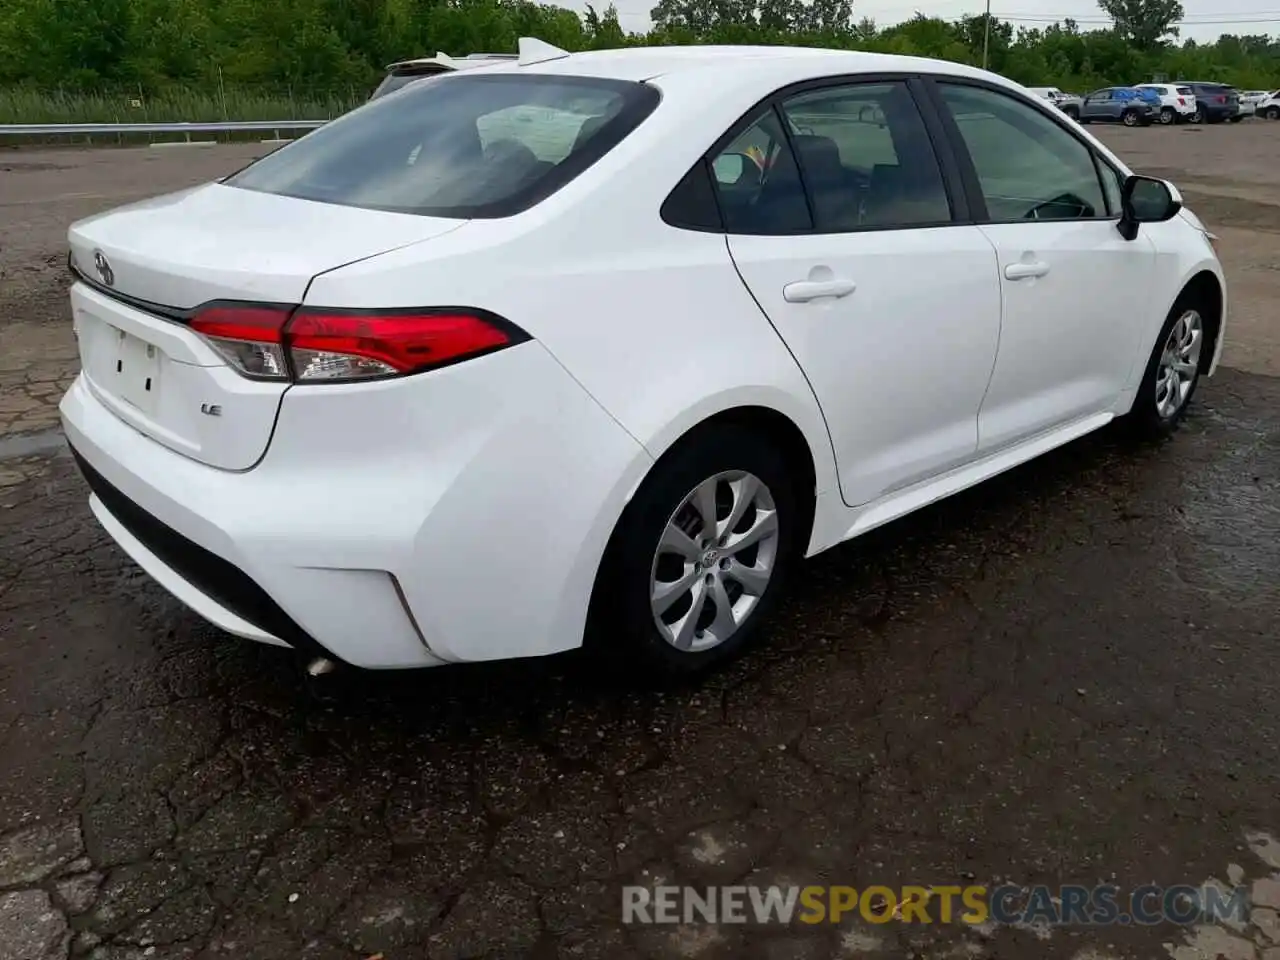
pixel 247 336
pixel 1221 99
pixel 315 345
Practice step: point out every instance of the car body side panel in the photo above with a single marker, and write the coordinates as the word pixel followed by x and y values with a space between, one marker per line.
pixel 619 305
pixel 1182 252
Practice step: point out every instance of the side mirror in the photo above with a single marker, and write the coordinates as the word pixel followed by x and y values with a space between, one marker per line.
pixel 1146 200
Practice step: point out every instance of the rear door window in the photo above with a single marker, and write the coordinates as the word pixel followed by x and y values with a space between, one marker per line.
pixel 757 181
pixel 866 158
pixel 458 146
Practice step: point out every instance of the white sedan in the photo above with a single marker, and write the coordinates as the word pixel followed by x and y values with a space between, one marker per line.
pixel 595 348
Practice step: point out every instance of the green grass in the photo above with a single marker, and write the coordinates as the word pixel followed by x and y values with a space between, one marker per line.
pixel 34 106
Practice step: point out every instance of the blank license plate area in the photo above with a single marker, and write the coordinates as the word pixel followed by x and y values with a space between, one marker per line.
pixel 134 374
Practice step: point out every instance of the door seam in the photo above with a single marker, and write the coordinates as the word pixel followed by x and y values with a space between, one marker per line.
pixel 799 366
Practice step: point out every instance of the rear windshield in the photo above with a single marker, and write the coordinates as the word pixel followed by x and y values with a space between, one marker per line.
pixel 457 146
pixel 1186 91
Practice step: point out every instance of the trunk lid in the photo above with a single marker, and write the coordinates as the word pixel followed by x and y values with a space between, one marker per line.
pixel 144 268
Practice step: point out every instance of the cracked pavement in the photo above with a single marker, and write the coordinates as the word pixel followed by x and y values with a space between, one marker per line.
pixel 1064 676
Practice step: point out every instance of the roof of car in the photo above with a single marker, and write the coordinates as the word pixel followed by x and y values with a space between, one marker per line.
pixel 644 63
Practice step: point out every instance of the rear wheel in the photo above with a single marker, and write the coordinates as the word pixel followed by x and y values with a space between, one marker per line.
pixel 1273 113
pixel 1167 116
pixel 1130 118
pixel 1197 115
pixel 1172 374
pixel 699 557
pixel 1236 119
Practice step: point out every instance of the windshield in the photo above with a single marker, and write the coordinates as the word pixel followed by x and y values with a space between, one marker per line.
pixel 458 146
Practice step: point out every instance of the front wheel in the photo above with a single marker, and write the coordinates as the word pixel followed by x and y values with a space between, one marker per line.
pixel 1130 118
pixel 699 557
pixel 1172 374
pixel 1273 113
pixel 1073 113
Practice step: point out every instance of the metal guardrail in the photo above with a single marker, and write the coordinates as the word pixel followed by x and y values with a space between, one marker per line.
pixel 114 129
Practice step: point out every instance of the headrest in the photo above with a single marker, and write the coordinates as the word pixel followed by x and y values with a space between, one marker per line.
pixel 820 156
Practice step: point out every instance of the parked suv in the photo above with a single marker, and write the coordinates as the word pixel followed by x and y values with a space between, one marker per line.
pixel 1118 105
pixel 1068 103
pixel 1269 106
pixel 1215 102
pixel 1177 101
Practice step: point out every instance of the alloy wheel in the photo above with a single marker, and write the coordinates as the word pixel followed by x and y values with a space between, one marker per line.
pixel 1130 119
pixel 1179 364
pixel 714 561
pixel 1166 116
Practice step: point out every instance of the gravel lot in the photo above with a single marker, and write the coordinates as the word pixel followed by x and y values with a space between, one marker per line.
pixel 1066 676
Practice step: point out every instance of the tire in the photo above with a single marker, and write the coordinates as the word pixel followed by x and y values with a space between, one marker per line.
pixel 1168 117
pixel 1197 116
pixel 624 629
pixel 1073 113
pixel 1273 113
pixel 1235 119
pixel 1130 118
pixel 1149 418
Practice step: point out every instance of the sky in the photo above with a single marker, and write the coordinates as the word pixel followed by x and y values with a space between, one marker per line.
pixel 1205 19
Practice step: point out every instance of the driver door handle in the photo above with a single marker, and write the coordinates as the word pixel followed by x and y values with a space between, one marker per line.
pixel 802 291
pixel 1025 271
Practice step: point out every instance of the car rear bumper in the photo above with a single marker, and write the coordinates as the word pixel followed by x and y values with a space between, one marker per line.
pixel 455 516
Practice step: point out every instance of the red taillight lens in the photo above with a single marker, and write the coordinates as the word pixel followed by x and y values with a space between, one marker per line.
pixel 336 345
pixel 1222 99
pixel 313 344
pixel 248 336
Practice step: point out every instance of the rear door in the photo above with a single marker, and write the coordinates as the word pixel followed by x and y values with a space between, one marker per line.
pixel 888 301
pixel 1074 291
pixel 1099 105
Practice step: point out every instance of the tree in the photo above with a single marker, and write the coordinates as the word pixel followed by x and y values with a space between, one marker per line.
pixel 1144 23
pixel 702 18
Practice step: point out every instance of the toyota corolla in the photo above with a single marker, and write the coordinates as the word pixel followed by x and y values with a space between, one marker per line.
pixel 595 348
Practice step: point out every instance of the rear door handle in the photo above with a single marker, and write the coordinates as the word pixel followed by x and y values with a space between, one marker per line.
pixel 1025 271
pixel 802 291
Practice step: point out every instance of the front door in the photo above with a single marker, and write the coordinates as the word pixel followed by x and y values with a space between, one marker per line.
pixel 891 309
pixel 1074 290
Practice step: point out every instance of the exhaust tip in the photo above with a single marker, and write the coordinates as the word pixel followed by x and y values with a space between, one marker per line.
pixel 320 666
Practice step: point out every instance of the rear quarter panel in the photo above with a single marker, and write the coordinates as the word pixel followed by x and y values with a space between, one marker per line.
pixel 652 321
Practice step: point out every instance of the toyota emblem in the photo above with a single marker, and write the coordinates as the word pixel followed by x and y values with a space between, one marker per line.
pixel 103 266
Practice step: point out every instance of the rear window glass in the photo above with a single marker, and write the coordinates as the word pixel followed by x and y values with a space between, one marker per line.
pixel 1185 91
pixel 457 146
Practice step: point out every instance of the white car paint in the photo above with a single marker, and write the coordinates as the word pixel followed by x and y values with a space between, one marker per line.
pixel 1182 103
pixel 462 514
pixel 1268 105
